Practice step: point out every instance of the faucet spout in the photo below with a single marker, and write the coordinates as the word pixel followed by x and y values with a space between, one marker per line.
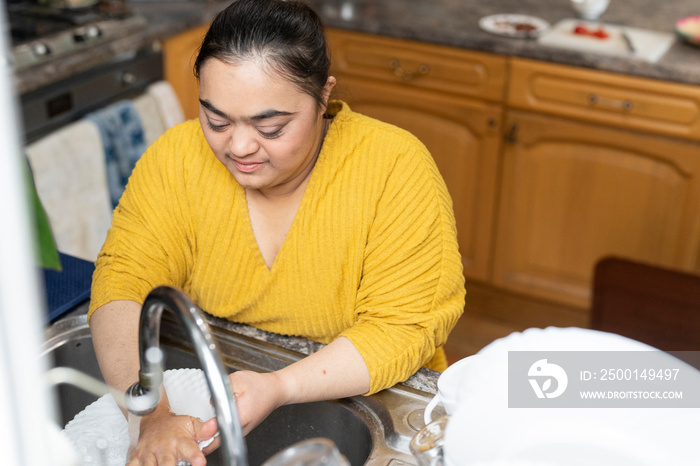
pixel 142 397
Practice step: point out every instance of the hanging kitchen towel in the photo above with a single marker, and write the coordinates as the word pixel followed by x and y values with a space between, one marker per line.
pixel 149 112
pixel 123 141
pixel 68 167
pixel 170 108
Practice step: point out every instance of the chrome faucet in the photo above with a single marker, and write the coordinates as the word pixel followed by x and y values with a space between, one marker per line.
pixel 143 397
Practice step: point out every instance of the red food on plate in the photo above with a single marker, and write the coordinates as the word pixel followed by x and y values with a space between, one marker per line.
pixel 599 33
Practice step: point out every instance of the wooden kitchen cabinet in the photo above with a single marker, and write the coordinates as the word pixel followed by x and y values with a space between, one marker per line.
pixel 450 100
pixel 575 192
pixel 179 54
pixel 594 164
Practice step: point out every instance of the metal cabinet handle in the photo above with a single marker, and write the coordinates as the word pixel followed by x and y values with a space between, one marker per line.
pixel 594 100
pixel 400 72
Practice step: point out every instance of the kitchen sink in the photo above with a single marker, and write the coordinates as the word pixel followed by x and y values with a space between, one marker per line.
pixel 371 430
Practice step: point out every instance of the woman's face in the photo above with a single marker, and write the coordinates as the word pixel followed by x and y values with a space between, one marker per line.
pixel 263 129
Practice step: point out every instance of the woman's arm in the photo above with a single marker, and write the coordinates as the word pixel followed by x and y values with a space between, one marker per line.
pixel 336 371
pixel 115 336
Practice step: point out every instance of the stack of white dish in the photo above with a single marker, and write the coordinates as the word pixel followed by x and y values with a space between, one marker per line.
pixel 484 431
pixel 100 432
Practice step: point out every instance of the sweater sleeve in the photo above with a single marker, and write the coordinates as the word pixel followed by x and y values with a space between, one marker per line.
pixel 147 245
pixel 412 287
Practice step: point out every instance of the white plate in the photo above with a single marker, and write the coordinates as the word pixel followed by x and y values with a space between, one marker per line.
pixel 100 432
pixel 523 26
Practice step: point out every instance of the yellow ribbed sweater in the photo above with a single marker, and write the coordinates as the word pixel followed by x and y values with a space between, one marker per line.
pixel 371 254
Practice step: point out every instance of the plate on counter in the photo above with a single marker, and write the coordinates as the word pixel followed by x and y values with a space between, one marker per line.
pixel 520 26
pixel 647 45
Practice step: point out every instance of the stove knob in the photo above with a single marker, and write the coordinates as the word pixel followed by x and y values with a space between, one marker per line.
pixel 93 32
pixel 40 49
pixel 86 34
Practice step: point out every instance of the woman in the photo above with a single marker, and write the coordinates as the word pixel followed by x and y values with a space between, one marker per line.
pixel 281 209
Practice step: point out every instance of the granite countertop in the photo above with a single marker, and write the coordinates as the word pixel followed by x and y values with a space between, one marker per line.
pixel 455 23
pixel 443 22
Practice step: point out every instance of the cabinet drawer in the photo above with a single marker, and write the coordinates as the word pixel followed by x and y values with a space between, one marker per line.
pixel 654 106
pixel 416 64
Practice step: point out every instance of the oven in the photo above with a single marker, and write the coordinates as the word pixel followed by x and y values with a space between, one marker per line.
pixel 53 31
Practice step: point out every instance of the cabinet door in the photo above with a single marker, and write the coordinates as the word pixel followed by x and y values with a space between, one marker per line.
pixel 573 193
pixel 179 54
pixel 462 134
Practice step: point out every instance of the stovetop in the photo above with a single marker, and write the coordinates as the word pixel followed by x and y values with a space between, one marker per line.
pixel 41 33
pixel 30 20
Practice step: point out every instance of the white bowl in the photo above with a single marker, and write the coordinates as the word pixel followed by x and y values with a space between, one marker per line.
pixel 590 9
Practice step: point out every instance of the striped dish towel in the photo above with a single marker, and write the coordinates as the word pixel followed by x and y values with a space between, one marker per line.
pixel 124 142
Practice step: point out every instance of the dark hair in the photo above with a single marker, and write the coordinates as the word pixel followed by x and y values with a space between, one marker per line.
pixel 286 35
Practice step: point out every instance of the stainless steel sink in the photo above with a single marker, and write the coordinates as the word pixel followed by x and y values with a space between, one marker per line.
pixel 373 430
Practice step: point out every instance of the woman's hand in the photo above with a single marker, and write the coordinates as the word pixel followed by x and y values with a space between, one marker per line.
pixel 257 395
pixel 166 438
pixel 335 371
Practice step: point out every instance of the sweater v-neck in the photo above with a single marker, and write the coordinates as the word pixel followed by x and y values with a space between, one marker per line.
pixel 259 258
